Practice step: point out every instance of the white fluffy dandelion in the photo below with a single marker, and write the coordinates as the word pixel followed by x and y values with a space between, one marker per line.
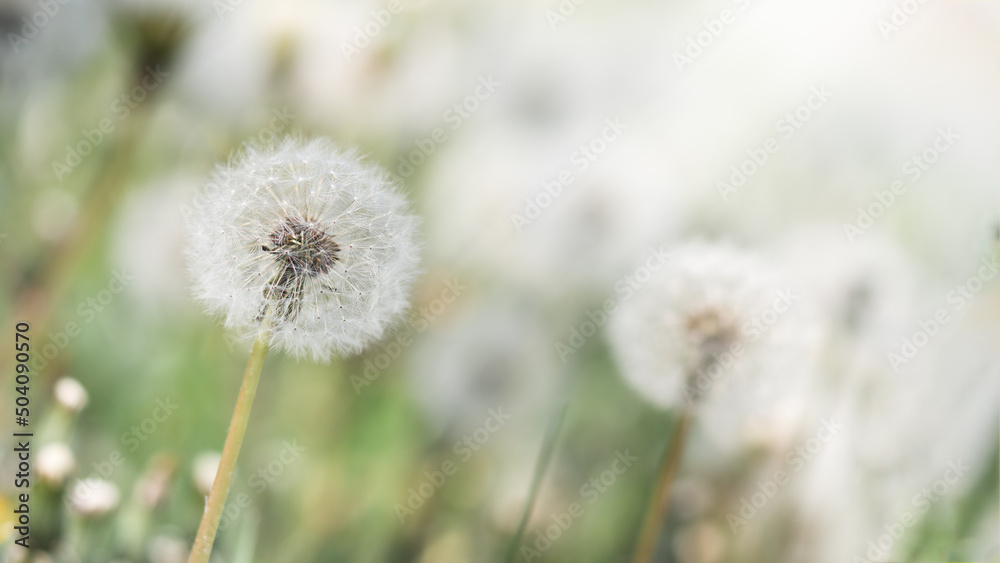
pixel 309 237
pixel 700 321
pixel 303 247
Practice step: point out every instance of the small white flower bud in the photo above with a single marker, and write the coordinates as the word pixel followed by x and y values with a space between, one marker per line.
pixel 70 394
pixel 94 497
pixel 55 463
pixel 204 468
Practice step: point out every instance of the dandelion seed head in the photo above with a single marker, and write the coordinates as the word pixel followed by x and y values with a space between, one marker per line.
pixel 863 289
pixel 309 237
pixel 711 330
pixel 491 353
pixel 689 329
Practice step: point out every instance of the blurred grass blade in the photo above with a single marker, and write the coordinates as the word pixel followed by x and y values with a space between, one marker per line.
pixel 541 468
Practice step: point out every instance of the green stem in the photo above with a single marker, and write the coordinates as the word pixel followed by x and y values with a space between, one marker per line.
pixel 541 468
pixel 230 452
pixel 661 496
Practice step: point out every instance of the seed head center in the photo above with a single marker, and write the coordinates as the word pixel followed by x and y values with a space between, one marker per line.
pixel 711 330
pixel 301 246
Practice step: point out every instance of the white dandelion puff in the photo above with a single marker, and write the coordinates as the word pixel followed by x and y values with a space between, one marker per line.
pixel 492 353
pixel 309 237
pixel 863 290
pixel 691 328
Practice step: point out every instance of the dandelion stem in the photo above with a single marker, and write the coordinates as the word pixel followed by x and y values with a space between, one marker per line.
pixel 541 468
pixel 661 496
pixel 230 452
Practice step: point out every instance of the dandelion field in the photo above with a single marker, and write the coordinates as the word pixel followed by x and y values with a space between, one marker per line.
pixel 557 281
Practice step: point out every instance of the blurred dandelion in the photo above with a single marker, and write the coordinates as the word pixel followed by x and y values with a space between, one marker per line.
pixel 492 354
pixel 689 318
pixel 94 497
pixel 70 397
pixel 149 242
pixel 689 333
pixel 70 394
pixel 55 463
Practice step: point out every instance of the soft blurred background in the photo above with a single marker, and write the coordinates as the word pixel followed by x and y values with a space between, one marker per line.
pixel 548 147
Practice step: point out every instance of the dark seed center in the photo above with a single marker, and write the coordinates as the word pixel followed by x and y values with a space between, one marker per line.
pixel 302 247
